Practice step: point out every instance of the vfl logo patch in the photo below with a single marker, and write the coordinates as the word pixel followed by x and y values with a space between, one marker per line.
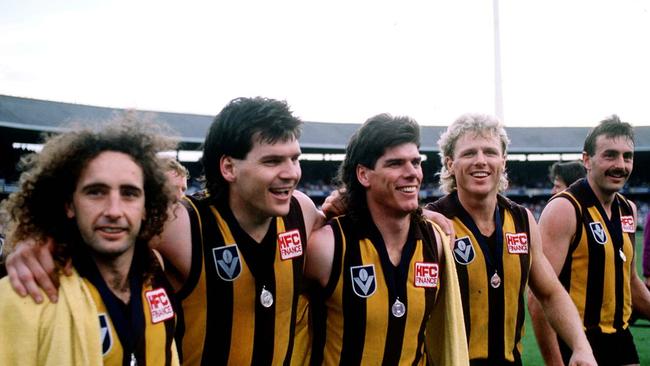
pixel 598 232
pixel 105 332
pixel 627 223
pixel 426 274
pixel 227 262
pixel 290 244
pixel 159 305
pixel 517 243
pixel 363 280
pixel 464 250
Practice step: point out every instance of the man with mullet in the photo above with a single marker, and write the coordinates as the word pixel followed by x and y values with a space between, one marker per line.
pixel 497 249
pixel 385 282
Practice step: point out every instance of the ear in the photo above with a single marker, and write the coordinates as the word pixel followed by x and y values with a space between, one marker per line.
pixel 449 162
pixel 69 210
pixel 586 160
pixel 227 167
pixel 362 175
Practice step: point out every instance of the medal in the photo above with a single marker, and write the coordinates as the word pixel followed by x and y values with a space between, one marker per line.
pixel 495 281
pixel 622 255
pixel 398 309
pixel 266 298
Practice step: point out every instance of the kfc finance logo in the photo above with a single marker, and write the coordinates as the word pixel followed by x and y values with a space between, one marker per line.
pixel 290 244
pixel 426 274
pixel 517 243
pixel 159 305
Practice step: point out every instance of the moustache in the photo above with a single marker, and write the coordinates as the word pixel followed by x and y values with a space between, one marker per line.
pixel 617 172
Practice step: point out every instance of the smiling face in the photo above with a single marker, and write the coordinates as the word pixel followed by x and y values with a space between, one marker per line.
pixel 477 164
pixel 394 183
pixel 611 165
pixel 261 184
pixel 108 204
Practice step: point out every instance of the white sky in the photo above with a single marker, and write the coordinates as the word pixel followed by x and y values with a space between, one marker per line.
pixel 564 62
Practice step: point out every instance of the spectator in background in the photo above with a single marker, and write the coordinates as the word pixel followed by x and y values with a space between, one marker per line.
pixel 177 175
pixel 564 174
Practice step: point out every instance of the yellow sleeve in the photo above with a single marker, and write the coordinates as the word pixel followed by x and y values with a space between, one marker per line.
pixel 47 334
pixel 445 340
pixel 20 327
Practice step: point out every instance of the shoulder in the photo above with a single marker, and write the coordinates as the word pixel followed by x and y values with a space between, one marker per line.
pixel 313 217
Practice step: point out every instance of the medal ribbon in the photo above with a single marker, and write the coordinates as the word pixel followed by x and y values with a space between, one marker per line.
pixel 494 265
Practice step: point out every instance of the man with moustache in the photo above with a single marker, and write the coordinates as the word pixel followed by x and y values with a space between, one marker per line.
pixel 588 235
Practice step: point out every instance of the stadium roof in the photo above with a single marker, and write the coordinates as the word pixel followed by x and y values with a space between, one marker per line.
pixel 29 118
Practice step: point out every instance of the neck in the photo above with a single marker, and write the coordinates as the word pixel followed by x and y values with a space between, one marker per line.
pixel 481 210
pixel 394 230
pixel 253 222
pixel 115 273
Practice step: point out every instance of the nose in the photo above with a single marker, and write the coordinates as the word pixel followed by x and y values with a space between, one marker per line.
pixel 291 170
pixel 480 158
pixel 413 171
pixel 619 162
pixel 113 208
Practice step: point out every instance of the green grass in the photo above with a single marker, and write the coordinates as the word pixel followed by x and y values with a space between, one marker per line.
pixel 640 330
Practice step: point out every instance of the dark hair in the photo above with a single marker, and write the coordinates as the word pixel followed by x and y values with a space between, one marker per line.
pixel 365 147
pixel 38 209
pixel 568 172
pixel 610 127
pixel 237 126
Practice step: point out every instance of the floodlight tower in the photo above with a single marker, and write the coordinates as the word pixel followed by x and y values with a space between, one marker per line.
pixel 498 93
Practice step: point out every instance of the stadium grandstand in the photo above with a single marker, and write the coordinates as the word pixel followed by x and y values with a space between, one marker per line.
pixel 24 122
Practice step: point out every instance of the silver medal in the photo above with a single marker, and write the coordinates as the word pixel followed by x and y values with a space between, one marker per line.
pixel 495 281
pixel 266 298
pixel 622 255
pixel 398 309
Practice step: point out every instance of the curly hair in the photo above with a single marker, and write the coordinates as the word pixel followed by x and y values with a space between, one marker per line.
pixel 236 127
pixel 365 147
pixel 49 179
pixel 479 124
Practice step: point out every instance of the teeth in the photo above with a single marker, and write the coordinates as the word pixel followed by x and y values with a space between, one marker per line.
pixel 480 174
pixel 407 189
pixel 111 230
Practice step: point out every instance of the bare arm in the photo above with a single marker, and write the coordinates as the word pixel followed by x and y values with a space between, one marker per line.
pixel 30 268
pixel 175 245
pixel 314 219
pixel 558 307
pixel 320 255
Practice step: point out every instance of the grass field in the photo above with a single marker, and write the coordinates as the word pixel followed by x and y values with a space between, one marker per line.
pixel 640 330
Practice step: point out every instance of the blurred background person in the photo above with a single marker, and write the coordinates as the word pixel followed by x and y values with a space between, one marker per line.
pixel 563 174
